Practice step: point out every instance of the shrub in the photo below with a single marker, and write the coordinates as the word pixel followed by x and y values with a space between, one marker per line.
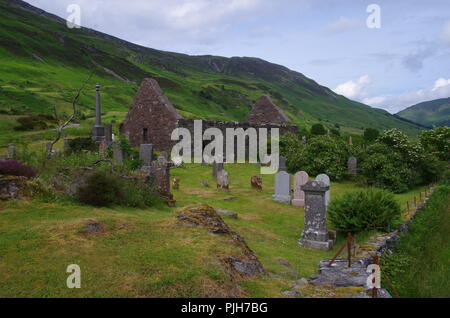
pixel 364 210
pixel 322 154
pixel 80 144
pixel 103 190
pixel 14 168
pixel 371 134
pixel 318 129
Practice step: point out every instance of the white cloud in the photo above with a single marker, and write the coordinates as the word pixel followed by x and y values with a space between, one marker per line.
pixel 343 24
pixel 354 89
pixel 445 35
pixel 396 103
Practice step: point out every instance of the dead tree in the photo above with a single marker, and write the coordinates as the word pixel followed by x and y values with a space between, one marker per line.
pixel 71 117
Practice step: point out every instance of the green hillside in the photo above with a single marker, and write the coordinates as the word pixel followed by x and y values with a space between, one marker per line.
pixel 432 113
pixel 43 63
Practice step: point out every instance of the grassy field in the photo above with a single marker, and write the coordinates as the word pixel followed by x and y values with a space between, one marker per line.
pixel 144 253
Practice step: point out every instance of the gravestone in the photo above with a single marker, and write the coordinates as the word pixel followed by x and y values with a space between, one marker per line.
pixel 160 174
pixel 66 144
pixel 223 181
pixel 117 153
pixel 256 183
pixel 282 188
pixel 300 179
pixel 11 152
pixel 146 154
pixel 102 147
pixel 98 132
pixel 48 149
pixel 109 134
pixel 282 164
pixel 176 184
pixel 315 234
pixel 350 141
pixel 326 180
pixel 216 167
pixel 352 165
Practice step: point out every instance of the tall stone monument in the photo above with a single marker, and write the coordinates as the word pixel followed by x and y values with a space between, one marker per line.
pixel 315 234
pixel 326 180
pixel 146 154
pixel 282 164
pixel 282 188
pixel 300 179
pixel 98 133
pixel 11 152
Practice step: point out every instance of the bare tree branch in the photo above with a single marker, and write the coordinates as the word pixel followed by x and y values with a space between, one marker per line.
pixel 69 120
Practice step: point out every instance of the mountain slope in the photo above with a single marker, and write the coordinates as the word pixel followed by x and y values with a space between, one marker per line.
pixel 431 113
pixel 42 63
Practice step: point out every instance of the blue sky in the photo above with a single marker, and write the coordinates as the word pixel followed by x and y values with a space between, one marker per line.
pixel 404 62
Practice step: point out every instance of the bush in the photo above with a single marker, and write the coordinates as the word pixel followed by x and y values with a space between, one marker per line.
pixel 365 210
pixel 322 154
pixel 80 144
pixel 371 134
pixel 14 168
pixel 318 129
pixel 100 190
pixel 103 190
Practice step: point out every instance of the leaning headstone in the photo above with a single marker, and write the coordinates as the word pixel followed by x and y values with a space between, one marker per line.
pixel 11 152
pixel 282 188
pixel 350 141
pixel 300 179
pixel 223 181
pixel 315 234
pixel 352 165
pixel 117 153
pixel 282 164
pixel 146 154
pixel 326 180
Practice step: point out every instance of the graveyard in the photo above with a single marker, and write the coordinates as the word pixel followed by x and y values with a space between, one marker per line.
pixel 152 174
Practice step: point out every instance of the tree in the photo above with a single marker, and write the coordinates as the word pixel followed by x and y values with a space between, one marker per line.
pixel 318 130
pixel 437 142
pixel 371 134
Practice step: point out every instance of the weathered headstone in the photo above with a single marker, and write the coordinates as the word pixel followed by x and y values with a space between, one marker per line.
pixel 300 179
pixel 256 183
pixel 98 132
pixel 117 153
pixel 223 181
pixel 315 234
pixel 304 140
pixel 282 188
pixel 282 164
pixel 109 134
pixel 66 144
pixel 350 141
pixel 160 173
pixel 352 166
pixel 146 154
pixel 102 147
pixel 326 180
pixel 216 167
pixel 11 152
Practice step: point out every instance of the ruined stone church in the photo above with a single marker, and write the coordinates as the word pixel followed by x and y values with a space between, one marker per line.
pixel 152 118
